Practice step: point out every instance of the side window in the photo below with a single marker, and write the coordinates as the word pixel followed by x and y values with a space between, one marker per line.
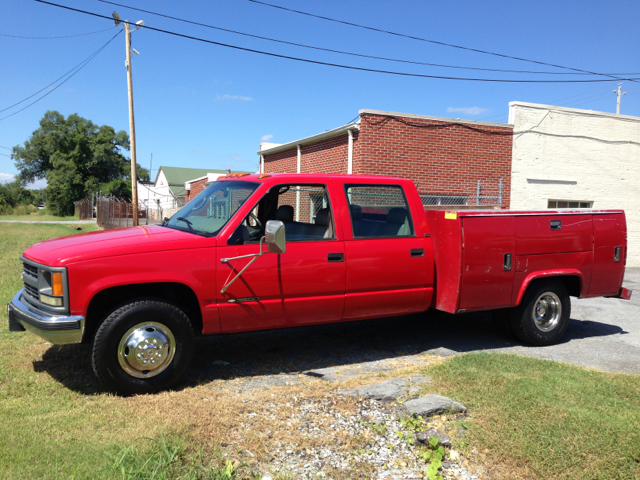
pixel 379 211
pixel 305 211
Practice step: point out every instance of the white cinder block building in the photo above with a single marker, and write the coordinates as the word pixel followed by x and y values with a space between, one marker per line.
pixel 570 158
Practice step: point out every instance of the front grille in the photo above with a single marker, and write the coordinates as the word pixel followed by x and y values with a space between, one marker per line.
pixel 30 270
pixel 31 291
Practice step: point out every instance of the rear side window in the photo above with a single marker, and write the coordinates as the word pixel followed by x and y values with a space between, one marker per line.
pixel 379 211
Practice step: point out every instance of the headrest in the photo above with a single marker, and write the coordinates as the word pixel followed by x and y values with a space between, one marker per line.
pixel 322 217
pixel 284 213
pixel 356 212
pixel 397 215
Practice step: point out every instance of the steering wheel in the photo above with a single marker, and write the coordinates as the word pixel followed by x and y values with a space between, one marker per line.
pixel 252 215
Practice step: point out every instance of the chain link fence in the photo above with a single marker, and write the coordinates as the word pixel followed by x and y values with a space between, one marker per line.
pixel 477 200
pixel 84 209
pixel 112 212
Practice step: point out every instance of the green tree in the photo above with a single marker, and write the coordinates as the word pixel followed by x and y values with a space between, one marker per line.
pixel 12 194
pixel 76 156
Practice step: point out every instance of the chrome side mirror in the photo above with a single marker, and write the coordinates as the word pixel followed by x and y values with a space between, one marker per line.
pixel 275 237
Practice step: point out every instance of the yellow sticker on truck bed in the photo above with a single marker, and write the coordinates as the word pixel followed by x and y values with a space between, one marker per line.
pixel 450 215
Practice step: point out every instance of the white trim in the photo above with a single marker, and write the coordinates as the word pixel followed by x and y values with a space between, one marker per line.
pixel 312 139
pixel 437 119
pixel 350 153
pixel 540 106
pixel 298 190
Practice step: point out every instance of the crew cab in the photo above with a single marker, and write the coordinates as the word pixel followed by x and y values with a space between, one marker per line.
pixel 265 251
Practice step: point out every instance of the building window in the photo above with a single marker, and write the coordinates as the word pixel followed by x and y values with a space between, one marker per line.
pixel 568 204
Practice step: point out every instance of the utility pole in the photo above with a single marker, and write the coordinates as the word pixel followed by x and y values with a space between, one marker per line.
pixel 132 125
pixel 620 93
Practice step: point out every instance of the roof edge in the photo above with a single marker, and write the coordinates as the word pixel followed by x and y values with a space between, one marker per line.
pixel 541 106
pixel 437 119
pixel 312 139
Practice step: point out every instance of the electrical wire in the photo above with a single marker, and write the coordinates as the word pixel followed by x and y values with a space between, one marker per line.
pixel 450 124
pixel 341 52
pixel 52 38
pixel 6 147
pixel 4 155
pixel 77 69
pixel 44 88
pixel 432 41
pixel 337 65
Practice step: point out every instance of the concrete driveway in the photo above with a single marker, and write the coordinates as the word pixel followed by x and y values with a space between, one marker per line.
pixel 603 333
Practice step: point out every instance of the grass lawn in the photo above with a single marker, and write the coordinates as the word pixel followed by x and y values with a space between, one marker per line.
pixel 530 419
pixel 542 419
pixel 38 218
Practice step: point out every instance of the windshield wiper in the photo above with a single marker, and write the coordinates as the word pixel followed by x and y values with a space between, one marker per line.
pixel 189 224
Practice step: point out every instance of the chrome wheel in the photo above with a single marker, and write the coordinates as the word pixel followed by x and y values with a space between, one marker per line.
pixel 146 349
pixel 547 311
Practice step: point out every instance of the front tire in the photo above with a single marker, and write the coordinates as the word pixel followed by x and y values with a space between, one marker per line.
pixel 142 347
pixel 543 316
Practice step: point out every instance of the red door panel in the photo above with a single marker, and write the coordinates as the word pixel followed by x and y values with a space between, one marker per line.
pixel 570 233
pixel 383 278
pixel 609 232
pixel 485 282
pixel 298 287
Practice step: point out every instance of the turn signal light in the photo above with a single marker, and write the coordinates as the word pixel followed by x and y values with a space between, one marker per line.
pixel 56 284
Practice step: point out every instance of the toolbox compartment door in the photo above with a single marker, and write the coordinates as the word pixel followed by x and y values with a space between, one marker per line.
pixel 488 262
pixel 609 253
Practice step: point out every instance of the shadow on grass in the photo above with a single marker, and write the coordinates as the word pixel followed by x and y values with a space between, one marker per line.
pixel 309 349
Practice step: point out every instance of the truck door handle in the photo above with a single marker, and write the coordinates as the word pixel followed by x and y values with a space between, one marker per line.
pixel 616 254
pixel 335 257
pixel 507 262
pixel 417 252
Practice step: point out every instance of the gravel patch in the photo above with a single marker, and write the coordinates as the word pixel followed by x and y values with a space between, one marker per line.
pixel 389 450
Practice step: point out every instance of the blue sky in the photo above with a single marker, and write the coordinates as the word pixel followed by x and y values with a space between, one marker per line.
pixel 205 106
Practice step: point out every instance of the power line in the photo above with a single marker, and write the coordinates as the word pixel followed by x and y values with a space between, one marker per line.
pixel 341 52
pixel 52 38
pixel 431 41
pixel 77 69
pixel 44 88
pixel 449 124
pixel 6 147
pixel 337 65
pixel 5 155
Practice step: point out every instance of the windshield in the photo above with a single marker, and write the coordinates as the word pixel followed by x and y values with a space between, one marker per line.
pixel 208 212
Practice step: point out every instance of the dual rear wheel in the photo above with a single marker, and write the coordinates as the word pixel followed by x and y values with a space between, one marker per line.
pixel 541 318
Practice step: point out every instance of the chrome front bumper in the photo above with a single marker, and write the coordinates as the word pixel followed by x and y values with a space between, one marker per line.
pixel 55 329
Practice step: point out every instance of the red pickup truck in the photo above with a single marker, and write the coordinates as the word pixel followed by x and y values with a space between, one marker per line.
pixel 264 251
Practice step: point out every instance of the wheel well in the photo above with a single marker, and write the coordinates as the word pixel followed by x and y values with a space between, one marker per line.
pixel 109 299
pixel 571 283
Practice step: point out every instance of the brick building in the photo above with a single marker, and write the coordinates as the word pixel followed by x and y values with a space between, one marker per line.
pixel 195 186
pixel 449 160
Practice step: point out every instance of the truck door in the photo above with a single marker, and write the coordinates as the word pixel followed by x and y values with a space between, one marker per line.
pixel 387 264
pixel 305 285
pixel 609 245
pixel 488 266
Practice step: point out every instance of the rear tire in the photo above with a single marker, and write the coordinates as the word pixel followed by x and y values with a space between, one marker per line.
pixel 142 347
pixel 543 316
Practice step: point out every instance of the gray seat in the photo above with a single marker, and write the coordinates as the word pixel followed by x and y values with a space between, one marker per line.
pixel 397 223
pixel 301 230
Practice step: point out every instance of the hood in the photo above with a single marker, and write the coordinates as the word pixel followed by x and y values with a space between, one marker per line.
pixel 59 252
